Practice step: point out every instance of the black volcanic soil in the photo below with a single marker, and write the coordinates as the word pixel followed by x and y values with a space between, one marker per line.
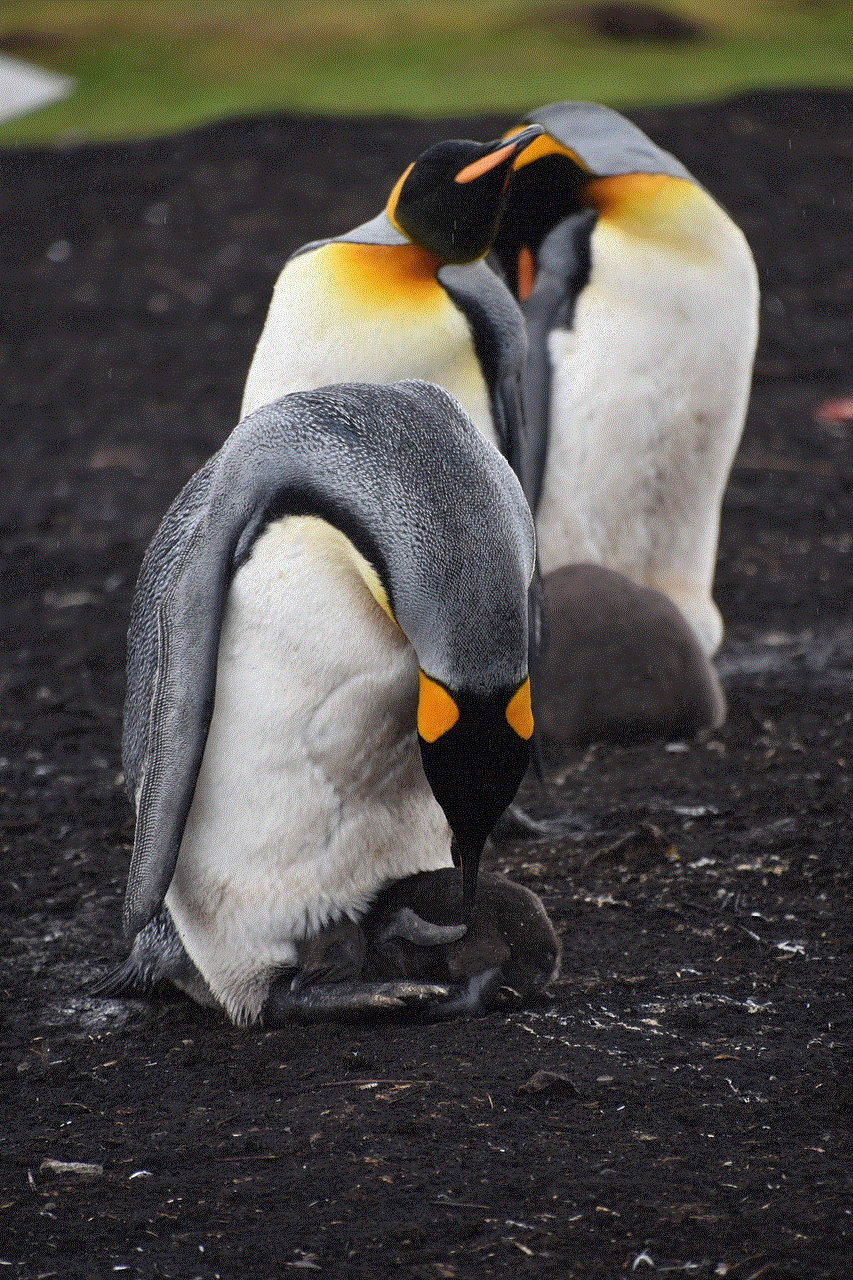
pixel 697 1117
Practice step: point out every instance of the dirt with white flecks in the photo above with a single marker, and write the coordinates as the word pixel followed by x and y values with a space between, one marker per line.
pixel 694 1115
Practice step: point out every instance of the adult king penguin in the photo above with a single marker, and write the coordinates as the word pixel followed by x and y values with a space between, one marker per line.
pixel 406 295
pixel 641 300
pixel 327 675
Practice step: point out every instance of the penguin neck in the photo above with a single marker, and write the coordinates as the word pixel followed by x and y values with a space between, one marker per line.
pixel 672 214
pixel 334 544
pixel 386 274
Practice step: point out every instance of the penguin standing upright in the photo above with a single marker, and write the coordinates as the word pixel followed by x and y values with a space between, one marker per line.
pixel 327 675
pixel 407 295
pixel 641 301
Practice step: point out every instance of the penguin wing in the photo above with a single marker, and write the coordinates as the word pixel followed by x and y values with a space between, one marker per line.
pixel 173 646
pixel 498 334
pixel 183 588
pixel 562 270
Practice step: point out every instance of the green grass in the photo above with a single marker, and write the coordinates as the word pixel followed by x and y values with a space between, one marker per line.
pixel 148 68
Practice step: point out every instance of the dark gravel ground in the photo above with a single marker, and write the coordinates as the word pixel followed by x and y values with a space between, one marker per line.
pixel 697 1115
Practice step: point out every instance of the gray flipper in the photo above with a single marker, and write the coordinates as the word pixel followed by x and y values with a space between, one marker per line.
pixel 562 270
pixel 515 824
pixel 497 330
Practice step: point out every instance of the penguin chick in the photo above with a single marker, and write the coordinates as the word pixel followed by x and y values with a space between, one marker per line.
pixel 507 957
pixel 327 674
pixel 621 664
pixel 641 301
pixel 406 295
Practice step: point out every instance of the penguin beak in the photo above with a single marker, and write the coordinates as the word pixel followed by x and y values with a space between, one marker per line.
pixel 502 153
pixel 469 857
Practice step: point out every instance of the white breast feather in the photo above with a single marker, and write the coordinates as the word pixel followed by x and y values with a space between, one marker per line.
pixel 315 336
pixel 311 794
pixel 649 395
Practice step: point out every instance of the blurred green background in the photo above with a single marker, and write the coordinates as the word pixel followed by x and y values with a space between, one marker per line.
pixel 153 66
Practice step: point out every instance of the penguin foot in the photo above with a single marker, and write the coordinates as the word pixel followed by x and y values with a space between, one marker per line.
pixel 348 1001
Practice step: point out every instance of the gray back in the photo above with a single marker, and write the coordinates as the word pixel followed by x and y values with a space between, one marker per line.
pixel 405 475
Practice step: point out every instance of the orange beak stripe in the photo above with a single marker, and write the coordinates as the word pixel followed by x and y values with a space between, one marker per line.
pixel 437 712
pixel 484 164
pixel 519 713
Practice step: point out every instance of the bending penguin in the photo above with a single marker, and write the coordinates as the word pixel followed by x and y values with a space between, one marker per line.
pixel 327 676
pixel 640 296
pixel 406 295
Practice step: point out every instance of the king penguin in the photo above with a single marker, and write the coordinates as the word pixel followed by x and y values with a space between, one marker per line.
pixel 407 295
pixel 327 676
pixel 640 296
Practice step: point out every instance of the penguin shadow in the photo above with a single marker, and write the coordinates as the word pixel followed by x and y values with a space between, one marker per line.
pixel 409 957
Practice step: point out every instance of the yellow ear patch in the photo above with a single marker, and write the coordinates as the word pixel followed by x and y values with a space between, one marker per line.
pixel 391 206
pixel 543 146
pixel 519 713
pixel 437 712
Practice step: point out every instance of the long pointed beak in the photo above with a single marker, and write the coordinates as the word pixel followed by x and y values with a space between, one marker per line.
pixel 469 856
pixel 501 154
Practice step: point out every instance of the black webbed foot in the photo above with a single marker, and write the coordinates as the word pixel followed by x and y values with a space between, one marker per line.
pixel 348 1001
pixel 328 984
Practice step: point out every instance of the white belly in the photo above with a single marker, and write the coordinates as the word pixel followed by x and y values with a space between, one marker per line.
pixel 311 794
pixel 316 335
pixel 649 394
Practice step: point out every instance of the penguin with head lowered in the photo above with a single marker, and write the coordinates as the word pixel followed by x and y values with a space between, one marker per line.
pixel 407 295
pixel 327 676
pixel 640 297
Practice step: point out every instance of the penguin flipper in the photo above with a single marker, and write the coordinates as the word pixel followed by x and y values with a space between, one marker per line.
pixel 515 824
pixel 562 270
pixel 188 619
pixel 175 629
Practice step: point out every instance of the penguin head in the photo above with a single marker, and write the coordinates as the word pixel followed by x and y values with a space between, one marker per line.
pixel 492 733
pixel 450 200
pixel 586 157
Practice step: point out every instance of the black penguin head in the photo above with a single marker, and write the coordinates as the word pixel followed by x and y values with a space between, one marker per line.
pixel 475 752
pixel 450 200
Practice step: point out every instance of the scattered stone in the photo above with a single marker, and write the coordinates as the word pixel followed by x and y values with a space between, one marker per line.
pixel 72 1168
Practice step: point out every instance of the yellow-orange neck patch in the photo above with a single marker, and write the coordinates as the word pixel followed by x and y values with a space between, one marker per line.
pixel 385 274
pixel 437 712
pixel 643 203
pixel 519 713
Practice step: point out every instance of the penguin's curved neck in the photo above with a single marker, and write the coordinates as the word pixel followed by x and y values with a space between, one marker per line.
pixel 397 274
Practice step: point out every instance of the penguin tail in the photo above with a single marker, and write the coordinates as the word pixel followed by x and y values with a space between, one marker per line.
pixel 130 978
pixel 157 957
